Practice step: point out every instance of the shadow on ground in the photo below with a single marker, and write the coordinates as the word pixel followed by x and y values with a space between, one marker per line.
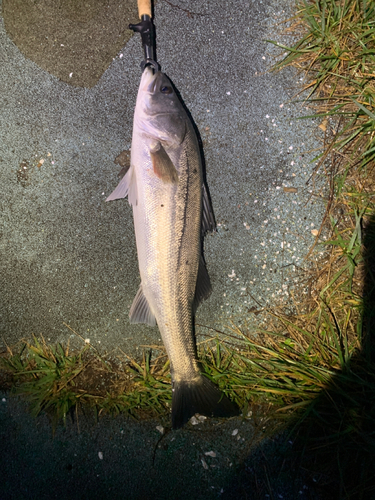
pixel 330 451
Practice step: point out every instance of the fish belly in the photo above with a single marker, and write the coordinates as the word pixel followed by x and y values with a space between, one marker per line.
pixel 167 220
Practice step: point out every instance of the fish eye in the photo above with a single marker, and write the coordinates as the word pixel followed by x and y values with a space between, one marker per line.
pixel 165 89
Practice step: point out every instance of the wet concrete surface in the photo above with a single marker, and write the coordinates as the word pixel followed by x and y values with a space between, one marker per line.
pixel 73 40
pixel 69 258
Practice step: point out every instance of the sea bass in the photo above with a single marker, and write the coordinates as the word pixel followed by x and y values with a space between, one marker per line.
pixel 172 212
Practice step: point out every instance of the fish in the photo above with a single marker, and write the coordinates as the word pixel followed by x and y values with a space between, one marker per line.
pixel 172 213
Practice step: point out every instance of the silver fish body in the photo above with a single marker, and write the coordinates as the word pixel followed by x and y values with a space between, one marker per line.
pixel 171 212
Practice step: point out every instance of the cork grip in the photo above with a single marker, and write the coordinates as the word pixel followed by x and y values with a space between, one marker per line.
pixel 144 7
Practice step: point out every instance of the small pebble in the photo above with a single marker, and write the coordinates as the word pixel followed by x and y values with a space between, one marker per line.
pixel 194 420
pixel 205 466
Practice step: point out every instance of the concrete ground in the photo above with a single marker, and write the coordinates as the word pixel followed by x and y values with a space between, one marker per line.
pixel 121 459
pixel 67 257
pixel 69 77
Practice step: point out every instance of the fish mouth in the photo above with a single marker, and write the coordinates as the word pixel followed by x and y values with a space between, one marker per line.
pixel 150 80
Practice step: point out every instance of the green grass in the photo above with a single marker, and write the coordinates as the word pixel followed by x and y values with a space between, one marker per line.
pixel 337 50
pixel 334 433
pixel 59 382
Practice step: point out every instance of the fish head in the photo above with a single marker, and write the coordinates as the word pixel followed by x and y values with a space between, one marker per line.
pixel 159 112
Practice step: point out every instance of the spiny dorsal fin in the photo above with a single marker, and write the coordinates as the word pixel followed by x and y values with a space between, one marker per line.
pixel 208 218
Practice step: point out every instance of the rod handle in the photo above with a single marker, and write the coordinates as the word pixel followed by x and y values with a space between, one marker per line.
pixel 144 8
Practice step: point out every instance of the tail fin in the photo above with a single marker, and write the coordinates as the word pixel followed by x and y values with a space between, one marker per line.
pixel 199 396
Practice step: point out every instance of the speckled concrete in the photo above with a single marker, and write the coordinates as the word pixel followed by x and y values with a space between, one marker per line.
pixel 69 258
pixel 118 459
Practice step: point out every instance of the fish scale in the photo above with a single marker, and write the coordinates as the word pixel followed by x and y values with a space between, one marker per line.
pixel 171 212
pixel 177 253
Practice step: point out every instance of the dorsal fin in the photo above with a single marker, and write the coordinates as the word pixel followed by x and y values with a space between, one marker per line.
pixel 208 218
pixel 203 287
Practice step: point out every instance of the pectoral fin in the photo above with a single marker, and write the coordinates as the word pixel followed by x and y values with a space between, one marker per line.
pixel 163 166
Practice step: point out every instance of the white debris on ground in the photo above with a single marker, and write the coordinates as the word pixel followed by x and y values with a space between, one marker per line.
pixel 278 202
pixel 197 419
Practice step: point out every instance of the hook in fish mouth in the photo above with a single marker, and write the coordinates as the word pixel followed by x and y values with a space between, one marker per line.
pixel 150 62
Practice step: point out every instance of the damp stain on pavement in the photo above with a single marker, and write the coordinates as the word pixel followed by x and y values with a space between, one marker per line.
pixel 74 40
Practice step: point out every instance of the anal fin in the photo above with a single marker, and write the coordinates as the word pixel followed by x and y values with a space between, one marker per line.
pixel 140 311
